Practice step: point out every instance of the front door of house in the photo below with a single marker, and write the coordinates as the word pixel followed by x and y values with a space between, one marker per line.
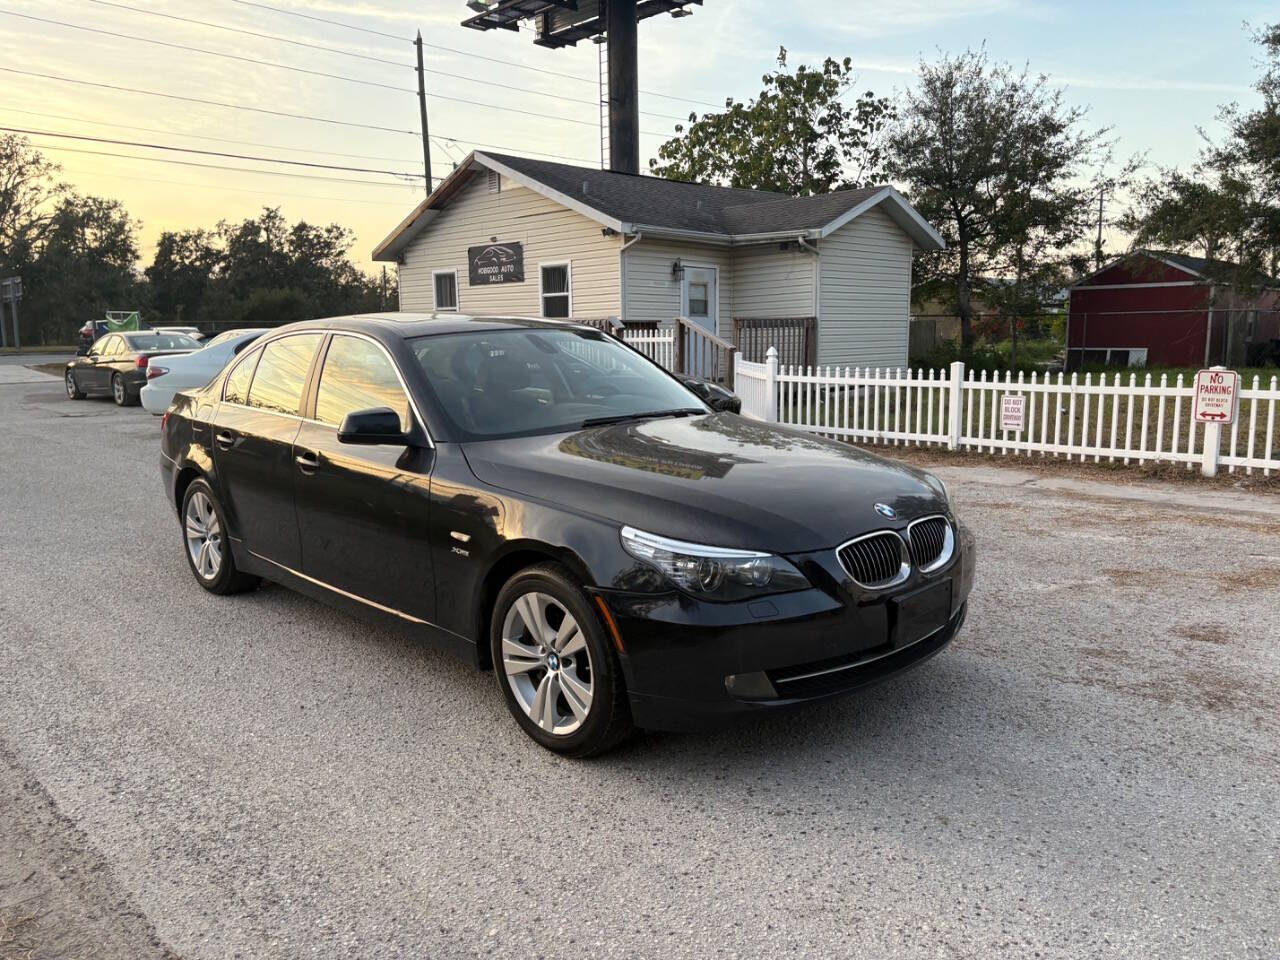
pixel 698 301
pixel 699 297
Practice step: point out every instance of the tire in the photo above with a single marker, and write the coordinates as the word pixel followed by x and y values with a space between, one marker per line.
pixel 120 392
pixel 204 542
pixel 73 389
pixel 549 594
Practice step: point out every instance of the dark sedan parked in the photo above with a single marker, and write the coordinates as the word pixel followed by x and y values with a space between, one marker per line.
pixel 116 364
pixel 541 499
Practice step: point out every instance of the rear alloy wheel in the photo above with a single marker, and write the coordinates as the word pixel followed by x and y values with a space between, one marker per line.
pixel 73 390
pixel 204 536
pixel 558 672
pixel 120 391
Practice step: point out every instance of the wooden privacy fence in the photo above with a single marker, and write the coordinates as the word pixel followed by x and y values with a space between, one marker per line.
pixel 795 339
pixel 1118 417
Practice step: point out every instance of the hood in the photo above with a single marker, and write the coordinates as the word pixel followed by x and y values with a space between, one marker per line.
pixel 719 479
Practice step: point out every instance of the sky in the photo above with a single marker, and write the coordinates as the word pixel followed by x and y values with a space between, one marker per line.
pixel 1152 72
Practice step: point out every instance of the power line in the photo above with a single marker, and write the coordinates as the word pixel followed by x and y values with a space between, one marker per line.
pixel 464 53
pixel 209 186
pixel 209 153
pixel 253 33
pixel 307 16
pixel 210 53
pixel 198 136
pixel 276 146
pixel 283 66
pixel 216 166
pixel 209 103
pixel 499 146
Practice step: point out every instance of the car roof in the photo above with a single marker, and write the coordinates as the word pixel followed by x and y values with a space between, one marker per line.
pixel 428 324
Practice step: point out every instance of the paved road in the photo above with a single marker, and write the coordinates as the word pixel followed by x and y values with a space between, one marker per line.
pixel 1093 770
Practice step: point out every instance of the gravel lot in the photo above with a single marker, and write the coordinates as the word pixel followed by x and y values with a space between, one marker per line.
pixel 1092 770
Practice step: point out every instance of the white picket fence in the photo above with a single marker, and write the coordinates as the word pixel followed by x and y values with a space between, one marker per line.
pixel 1120 417
pixel 658 344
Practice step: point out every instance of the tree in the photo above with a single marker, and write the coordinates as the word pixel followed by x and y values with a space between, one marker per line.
pixel 182 274
pixel 83 266
pixel 29 194
pixel 1228 207
pixel 994 159
pixel 796 137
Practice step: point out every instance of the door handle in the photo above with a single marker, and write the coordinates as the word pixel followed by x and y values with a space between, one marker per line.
pixel 307 462
pixel 225 439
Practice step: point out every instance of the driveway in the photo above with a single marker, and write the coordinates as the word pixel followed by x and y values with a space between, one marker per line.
pixel 1091 770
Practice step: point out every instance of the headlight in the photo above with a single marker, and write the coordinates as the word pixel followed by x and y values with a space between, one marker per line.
pixel 716 573
pixel 938 486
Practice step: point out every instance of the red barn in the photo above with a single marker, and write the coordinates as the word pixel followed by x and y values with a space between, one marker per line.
pixel 1167 310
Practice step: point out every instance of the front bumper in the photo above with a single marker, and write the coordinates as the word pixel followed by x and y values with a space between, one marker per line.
pixel 691 664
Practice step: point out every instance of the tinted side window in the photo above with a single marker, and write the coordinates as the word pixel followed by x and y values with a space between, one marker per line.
pixel 237 388
pixel 105 347
pixel 357 375
pixel 282 370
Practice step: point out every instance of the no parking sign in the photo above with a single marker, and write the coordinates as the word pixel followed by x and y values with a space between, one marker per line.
pixel 1217 392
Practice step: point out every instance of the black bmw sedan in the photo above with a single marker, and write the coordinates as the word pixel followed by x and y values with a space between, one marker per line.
pixel 546 502
pixel 116 364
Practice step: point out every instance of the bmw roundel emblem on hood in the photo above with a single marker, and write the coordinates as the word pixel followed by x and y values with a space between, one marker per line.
pixel 886 511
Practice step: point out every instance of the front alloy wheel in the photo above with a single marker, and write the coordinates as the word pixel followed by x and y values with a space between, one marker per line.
pixel 73 390
pixel 545 657
pixel 556 666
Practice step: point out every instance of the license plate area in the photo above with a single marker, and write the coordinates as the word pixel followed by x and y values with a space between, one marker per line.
pixel 921 613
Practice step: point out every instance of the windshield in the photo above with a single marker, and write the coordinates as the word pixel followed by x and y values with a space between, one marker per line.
pixel 161 341
pixel 506 383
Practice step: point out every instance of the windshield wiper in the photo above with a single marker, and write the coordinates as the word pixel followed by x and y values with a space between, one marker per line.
pixel 646 415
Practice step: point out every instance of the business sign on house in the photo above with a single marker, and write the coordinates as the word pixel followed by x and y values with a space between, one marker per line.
pixel 1216 394
pixel 496 263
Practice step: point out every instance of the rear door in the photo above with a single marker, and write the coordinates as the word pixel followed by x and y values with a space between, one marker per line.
pixel 362 510
pixel 253 433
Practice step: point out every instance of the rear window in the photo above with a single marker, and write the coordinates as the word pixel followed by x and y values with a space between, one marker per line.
pixel 161 341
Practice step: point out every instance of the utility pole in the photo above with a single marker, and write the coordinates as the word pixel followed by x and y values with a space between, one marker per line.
pixel 422 112
pixel 384 286
pixel 1097 247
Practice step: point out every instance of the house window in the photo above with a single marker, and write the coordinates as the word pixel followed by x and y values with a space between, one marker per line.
pixel 446 289
pixel 697 299
pixel 495 181
pixel 554 289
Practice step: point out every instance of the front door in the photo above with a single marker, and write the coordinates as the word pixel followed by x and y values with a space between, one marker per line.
pixel 698 302
pixel 96 374
pixel 699 297
pixel 363 509
pixel 253 452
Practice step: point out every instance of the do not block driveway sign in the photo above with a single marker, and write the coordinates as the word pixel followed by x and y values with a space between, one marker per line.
pixel 1217 393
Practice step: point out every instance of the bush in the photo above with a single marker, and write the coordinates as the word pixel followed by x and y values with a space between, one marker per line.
pixel 1031 355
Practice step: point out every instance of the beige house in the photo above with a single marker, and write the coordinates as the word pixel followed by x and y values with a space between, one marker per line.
pixel 505 234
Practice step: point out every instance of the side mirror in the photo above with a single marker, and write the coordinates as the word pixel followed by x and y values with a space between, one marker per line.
pixel 715 396
pixel 380 425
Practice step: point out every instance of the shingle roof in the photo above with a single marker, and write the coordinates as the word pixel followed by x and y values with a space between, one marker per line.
pixel 642 202
pixel 1204 266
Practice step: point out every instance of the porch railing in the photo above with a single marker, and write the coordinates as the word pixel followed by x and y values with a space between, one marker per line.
pixel 795 339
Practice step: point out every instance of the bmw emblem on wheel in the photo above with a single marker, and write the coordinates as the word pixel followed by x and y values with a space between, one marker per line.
pixel 886 511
